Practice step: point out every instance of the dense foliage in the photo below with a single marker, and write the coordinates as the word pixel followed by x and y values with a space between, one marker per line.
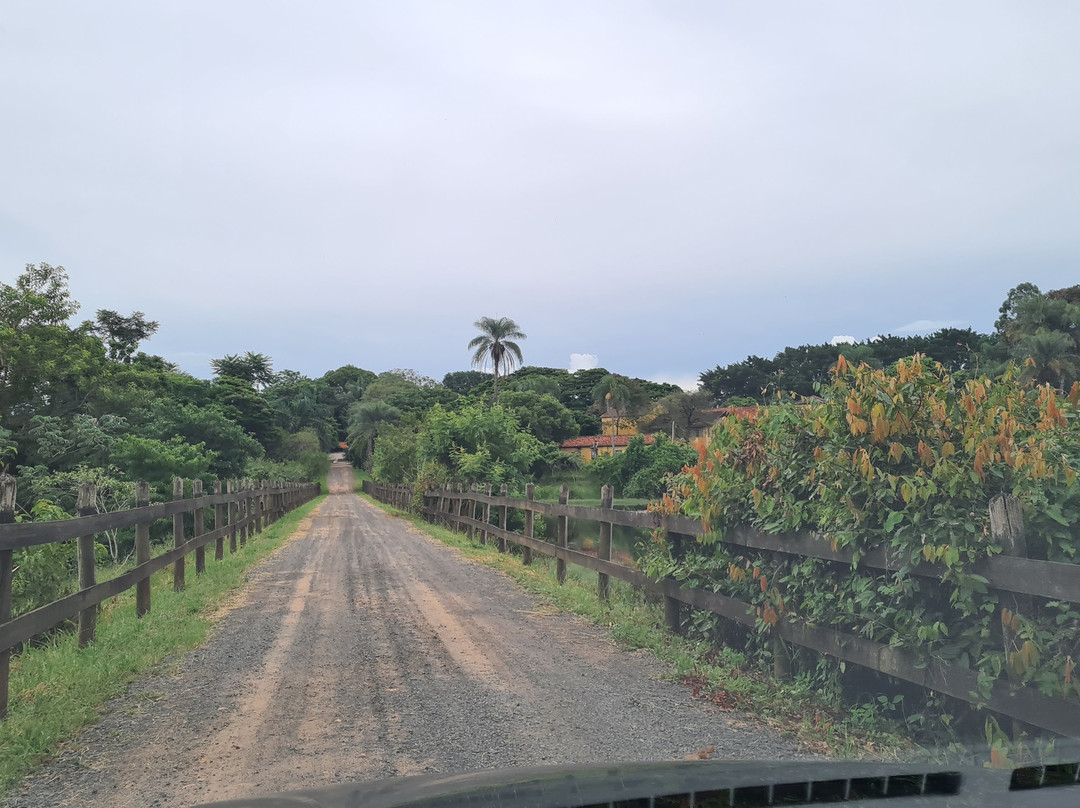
pixel 798 369
pixel 905 459
pixel 80 404
pixel 575 391
pixel 643 470
pixel 1041 331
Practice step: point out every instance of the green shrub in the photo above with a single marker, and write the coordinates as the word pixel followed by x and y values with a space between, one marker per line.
pixel 906 460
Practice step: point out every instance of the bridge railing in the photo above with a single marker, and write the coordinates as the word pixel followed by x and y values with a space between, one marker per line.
pixel 1009 576
pixel 240 513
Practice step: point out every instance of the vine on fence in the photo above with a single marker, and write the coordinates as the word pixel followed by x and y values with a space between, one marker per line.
pixel 906 460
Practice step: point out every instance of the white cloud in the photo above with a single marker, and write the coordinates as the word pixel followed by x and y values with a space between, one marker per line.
pixel 927 326
pixel 843 339
pixel 582 361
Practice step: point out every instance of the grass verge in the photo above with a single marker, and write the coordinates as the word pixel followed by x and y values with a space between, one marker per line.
pixel 718 675
pixel 58 689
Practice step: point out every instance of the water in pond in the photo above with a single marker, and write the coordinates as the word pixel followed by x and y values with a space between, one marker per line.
pixel 585 535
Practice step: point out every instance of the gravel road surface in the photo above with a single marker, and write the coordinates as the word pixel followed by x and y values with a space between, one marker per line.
pixel 363 649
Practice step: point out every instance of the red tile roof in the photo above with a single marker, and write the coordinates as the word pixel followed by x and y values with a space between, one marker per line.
pixel 586 441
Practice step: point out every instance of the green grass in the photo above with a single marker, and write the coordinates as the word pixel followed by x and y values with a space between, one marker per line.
pixel 58 689
pixel 583 486
pixel 359 476
pixel 722 674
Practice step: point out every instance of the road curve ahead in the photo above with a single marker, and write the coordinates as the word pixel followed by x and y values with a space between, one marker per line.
pixel 362 650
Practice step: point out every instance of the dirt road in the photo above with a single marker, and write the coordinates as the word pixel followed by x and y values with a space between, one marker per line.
pixel 364 649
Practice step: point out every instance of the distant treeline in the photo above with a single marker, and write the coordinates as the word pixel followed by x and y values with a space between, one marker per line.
pixel 1041 331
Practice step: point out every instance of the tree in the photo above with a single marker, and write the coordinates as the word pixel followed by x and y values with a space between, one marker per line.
pixel 40 296
pixel 540 414
pixel 543 385
pixel 254 368
pixel 1007 313
pixel 463 381
pixel 481 444
pixel 236 399
pixel 408 391
pixel 341 388
pixel 229 446
pixel 304 450
pixel 298 404
pixel 367 419
pixel 1043 332
pixel 396 456
pixel 496 343
pixel 46 366
pixel 121 334
pixel 615 394
pixel 750 377
pixel 679 414
pixel 158 461
pixel 1051 358
pixel 82 440
pixel 62 488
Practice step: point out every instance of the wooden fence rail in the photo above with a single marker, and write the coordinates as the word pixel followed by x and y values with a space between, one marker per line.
pixel 247 508
pixel 1013 574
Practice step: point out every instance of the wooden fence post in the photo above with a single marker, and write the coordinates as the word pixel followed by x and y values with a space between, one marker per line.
pixel 260 522
pixel 142 550
pixel 198 527
pixel 461 526
pixel 526 551
pixel 781 653
pixel 234 515
pixel 487 514
pixel 219 523
pixel 178 534
pixel 242 505
pixel 503 492
pixel 603 550
pixel 472 511
pixel 249 502
pixel 564 534
pixel 672 607
pixel 7 517
pixel 270 500
pixel 1007 528
pixel 87 506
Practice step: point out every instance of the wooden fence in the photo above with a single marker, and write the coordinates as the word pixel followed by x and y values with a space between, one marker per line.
pixel 239 513
pixel 1011 575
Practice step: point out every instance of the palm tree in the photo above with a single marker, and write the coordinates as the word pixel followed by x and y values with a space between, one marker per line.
pixel 616 395
pixel 366 418
pixel 1050 358
pixel 495 342
pixel 254 368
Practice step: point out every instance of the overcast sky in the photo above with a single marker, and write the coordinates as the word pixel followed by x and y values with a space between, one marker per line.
pixel 657 186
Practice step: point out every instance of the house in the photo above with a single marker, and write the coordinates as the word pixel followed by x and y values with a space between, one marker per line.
pixel 622 426
pixel 591 446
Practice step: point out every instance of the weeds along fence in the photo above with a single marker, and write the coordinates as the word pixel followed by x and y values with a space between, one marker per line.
pixel 241 512
pixel 1011 576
